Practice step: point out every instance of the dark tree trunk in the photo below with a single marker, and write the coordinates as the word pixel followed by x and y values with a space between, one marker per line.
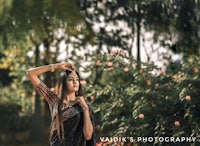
pixel 37 130
pixel 138 36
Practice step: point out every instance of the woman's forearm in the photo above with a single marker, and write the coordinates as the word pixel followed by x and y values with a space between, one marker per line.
pixel 42 69
pixel 87 127
pixel 33 73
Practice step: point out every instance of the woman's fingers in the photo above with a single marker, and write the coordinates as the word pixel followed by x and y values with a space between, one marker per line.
pixel 70 66
pixel 80 99
pixel 67 66
pixel 82 102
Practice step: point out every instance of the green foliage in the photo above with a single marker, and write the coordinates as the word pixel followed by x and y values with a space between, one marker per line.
pixel 128 100
pixel 16 106
pixel 17 94
pixel 146 101
pixel 33 21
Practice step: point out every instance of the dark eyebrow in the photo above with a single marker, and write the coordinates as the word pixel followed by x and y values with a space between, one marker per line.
pixel 73 77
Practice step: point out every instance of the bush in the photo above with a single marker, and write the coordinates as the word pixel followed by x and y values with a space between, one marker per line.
pixel 145 101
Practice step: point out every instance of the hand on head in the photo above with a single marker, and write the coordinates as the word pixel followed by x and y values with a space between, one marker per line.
pixel 67 66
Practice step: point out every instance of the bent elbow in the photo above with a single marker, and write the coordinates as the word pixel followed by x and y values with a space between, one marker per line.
pixel 88 137
pixel 27 73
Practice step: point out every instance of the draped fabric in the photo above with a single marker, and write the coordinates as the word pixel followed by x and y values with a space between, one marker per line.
pixel 73 120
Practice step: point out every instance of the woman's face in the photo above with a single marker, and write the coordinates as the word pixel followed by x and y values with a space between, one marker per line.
pixel 72 82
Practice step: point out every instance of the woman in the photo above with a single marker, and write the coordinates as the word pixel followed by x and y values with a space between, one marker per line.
pixel 72 118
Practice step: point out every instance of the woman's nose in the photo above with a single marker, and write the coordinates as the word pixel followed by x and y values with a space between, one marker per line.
pixel 74 81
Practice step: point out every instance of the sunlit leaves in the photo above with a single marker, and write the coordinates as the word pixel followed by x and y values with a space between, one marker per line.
pixel 147 101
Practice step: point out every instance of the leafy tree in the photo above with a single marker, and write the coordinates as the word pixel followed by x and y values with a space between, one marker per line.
pixel 26 26
pixel 118 24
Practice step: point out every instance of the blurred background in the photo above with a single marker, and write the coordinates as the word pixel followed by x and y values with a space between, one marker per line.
pixel 139 62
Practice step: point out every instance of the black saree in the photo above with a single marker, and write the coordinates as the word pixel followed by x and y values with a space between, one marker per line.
pixel 73 121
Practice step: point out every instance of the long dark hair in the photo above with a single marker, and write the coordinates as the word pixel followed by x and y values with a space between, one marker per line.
pixel 61 90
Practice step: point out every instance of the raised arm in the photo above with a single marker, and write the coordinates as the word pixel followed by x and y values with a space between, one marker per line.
pixel 33 73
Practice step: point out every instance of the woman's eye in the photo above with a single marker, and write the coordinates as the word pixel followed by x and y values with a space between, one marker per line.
pixel 73 79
